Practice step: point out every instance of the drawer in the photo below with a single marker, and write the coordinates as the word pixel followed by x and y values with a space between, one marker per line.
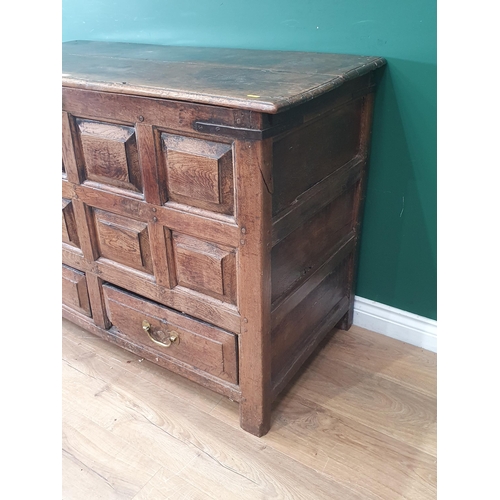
pixel 167 334
pixel 75 294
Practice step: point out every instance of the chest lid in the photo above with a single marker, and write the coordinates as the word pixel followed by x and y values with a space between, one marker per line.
pixel 258 80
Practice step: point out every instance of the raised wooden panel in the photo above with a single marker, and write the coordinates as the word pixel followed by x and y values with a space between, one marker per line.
pixel 74 290
pixel 69 231
pixel 123 240
pixel 205 267
pixel 299 164
pixel 297 328
pixel 199 345
pixel 110 154
pixel 199 173
pixel 298 255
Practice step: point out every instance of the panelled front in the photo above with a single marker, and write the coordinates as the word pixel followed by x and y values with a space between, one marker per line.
pixel 151 209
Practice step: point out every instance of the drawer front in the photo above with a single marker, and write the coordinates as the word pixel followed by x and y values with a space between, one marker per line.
pixel 162 332
pixel 74 290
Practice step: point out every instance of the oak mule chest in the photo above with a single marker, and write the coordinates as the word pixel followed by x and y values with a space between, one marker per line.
pixel 211 206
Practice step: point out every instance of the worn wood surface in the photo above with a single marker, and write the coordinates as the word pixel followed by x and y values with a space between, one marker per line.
pixel 132 430
pixel 198 344
pixel 299 165
pixel 199 172
pixel 74 290
pixel 268 81
pixel 254 186
pixel 359 202
pixel 300 254
pixel 183 186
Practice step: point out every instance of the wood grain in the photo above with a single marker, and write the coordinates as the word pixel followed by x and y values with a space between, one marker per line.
pixel 199 344
pixel 199 172
pixel 254 181
pixel 74 290
pixel 222 186
pixel 133 430
pixel 299 165
pixel 205 267
pixel 269 81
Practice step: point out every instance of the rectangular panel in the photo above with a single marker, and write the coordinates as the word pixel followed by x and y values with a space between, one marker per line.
pixel 123 240
pixel 69 231
pixel 199 172
pixel 109 153
pixel 299 164
pixel 74 290
pixel 197 344
pixel 205 267
pixel 294 332
pixel 298 255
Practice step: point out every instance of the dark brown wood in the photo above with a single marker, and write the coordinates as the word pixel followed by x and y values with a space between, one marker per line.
pixel 264 81
pixel 216 384
pixel 199 172
pixel 74 290
pixel 198 344
pixel 146 142
pixel 69 230
pixel 314 338
pixel 254 174
pixel 315 198
pixel 366 126
pixel 161 113
pixel 299 254
pixel 215 193
pixel 70 165
pixel 97 300
pixel 109 152
pixel 216 228
pixel 205 267
pixel 123 240
pixel 207 308
pixel 292 334
pixel 300 165
pixel 340 251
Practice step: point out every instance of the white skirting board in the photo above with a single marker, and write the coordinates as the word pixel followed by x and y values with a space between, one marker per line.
pixel 395 323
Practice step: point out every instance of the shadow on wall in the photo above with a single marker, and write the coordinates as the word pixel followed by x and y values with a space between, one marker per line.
pixel 397 263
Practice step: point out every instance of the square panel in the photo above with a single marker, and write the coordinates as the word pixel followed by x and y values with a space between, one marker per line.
pixel 199 172
pixel 205 267
pixel 123 240
pixel 109 153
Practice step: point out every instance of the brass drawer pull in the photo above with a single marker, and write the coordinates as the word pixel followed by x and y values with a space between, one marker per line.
pixel 171 336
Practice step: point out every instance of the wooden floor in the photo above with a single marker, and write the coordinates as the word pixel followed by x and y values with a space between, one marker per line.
pixel 358 422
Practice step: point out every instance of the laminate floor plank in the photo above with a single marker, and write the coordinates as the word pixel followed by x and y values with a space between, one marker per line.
pixel 345 450
pixel 383 405
pixel 397 361
pixel 118 358
pixel 122 471
pixel 164 486
pixel 338 431
pixel 230 463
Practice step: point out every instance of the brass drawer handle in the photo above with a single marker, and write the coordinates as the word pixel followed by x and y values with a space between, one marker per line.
pixel 172 337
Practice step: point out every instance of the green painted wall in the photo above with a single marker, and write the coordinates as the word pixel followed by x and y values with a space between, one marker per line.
pixel 398 247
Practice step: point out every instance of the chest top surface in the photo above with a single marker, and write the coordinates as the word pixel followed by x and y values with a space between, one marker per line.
pixel 257 80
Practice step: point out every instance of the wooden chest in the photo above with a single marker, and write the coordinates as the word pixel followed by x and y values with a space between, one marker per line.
pixel 211 206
